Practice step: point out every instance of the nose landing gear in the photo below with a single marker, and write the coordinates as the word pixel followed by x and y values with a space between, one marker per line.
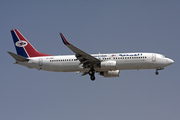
pixel 157 73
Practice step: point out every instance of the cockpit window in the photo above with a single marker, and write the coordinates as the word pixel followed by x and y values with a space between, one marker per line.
pixel 163 56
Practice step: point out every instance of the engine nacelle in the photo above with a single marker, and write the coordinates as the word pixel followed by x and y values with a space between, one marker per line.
pixel 113 73
pixel 108 64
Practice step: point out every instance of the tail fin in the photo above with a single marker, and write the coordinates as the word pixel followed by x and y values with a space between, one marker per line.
pixel 23 47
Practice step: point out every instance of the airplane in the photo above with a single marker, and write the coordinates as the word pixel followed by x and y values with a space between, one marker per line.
pixel 107 65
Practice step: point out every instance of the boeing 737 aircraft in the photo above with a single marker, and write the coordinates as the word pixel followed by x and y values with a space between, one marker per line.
pixel 107 65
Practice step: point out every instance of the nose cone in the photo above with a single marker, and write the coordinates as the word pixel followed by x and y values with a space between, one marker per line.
pixel 170 61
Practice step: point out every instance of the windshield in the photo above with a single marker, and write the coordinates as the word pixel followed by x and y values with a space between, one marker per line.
pixel 163 56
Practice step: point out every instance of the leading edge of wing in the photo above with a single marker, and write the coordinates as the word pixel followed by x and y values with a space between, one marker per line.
pixel 79 53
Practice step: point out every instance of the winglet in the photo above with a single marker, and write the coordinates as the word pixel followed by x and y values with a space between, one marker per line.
pixel 64 39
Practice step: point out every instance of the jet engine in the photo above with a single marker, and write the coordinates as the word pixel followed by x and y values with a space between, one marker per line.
pixel 113 73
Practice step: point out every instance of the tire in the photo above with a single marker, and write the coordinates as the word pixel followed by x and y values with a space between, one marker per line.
pixel 92 77
pixel 156 73
pixel 91 72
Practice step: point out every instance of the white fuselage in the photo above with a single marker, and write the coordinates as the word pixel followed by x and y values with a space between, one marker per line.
pixel 124 61
pixel 107 65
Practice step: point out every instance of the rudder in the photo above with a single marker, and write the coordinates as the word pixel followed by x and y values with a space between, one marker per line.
pixel 23 47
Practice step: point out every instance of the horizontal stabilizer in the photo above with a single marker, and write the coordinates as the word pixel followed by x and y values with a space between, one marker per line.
pixel 18 57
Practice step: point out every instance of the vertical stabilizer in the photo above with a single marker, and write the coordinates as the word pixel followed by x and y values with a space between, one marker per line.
pixel 23 47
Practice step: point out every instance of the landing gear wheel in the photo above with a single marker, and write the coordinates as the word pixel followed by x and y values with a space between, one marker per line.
pixel 156 73
pixel 92 77
pixel 91 73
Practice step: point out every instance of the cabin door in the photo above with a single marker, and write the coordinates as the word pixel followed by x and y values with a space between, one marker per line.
pixel 153 57
pixel 40 62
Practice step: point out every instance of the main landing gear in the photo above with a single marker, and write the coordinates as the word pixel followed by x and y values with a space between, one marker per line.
pixel 157 73
pixel 91 73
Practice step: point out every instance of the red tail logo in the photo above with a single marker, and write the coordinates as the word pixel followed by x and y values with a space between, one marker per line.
pixel 23 47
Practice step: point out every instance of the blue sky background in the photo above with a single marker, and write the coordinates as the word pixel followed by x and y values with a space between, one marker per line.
pixel 93 26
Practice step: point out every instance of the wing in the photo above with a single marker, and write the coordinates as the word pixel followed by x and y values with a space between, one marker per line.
pixel 86 59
